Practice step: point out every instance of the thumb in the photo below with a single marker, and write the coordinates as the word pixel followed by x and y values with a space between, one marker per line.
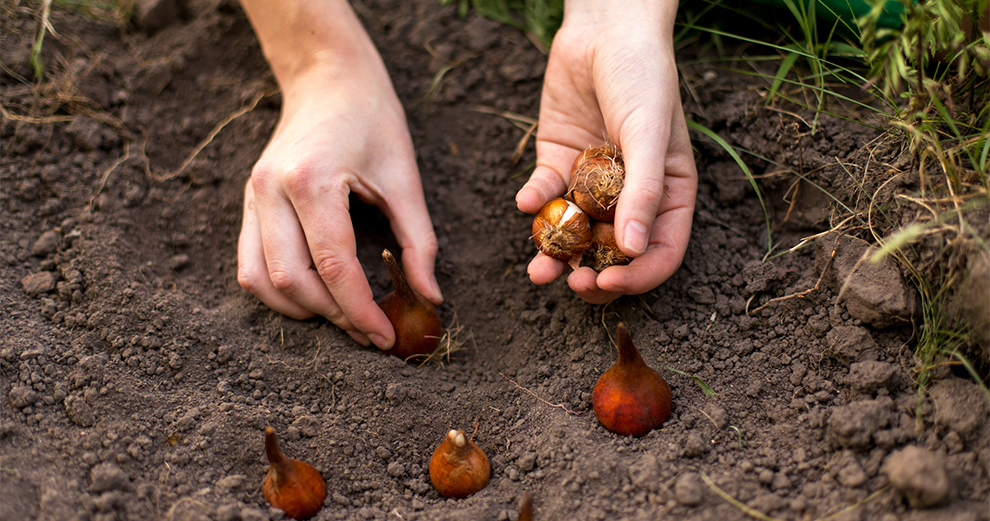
pixel 643 189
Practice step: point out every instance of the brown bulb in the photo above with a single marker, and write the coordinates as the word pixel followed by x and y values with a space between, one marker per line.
pixel 604 251
pixel 631 398
pixel 526 508
pixel 291 485
pixel 415 319
pixel 459 467
pixel 561 230
pixel 596 180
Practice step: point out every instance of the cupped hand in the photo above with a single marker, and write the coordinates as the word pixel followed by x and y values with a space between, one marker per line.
pixel 342 130
pixel 614 73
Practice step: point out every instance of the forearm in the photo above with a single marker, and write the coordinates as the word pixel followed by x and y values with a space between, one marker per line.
pixel 298 36
pixel 657 13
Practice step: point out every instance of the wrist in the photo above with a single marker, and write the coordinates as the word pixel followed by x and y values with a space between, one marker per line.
pixel 658 14
pixel 306 40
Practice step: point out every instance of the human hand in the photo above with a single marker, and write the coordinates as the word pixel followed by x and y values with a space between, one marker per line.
pixel 342 130
pixel 611 70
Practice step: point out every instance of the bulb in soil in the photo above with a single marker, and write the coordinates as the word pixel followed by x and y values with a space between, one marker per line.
pixel 291 485
pixel 561 230
pixel 415 319
pixel 459 467
pixel 604 252
pixel 596 180
pixel 631 398
pixel 526 508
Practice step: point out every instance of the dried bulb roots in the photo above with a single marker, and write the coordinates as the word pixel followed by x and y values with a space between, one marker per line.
pixel 604 251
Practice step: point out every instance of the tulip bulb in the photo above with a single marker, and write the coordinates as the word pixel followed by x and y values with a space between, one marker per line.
pixel 596 180
pixel 604 251
pixel 561 230
pixel 526 508
pixel 631 398
pixel 459 467
pixel 291 485
pixel 415 319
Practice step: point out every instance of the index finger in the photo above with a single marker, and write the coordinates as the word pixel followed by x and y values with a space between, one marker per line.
pixel 326 220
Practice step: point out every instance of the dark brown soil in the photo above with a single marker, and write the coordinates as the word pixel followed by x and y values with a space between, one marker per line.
pixel 137 377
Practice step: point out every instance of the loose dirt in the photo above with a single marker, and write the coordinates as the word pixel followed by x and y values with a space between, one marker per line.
pixel 136 377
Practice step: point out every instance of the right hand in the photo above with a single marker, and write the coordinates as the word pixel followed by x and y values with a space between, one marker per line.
pixel 342 130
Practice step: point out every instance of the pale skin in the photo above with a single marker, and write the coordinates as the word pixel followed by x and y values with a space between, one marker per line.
pixel 343 130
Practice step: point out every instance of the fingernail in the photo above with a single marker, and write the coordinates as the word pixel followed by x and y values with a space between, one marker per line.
pixel 436 288
pixel 635 237
pixel 379 341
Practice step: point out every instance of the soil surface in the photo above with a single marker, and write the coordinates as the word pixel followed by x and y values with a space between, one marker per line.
pixel 136 376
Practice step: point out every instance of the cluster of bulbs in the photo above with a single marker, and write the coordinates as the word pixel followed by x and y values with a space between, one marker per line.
pixel 580 223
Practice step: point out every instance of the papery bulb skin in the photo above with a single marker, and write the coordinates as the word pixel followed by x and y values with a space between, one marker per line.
pixel 291 485
pixel 631 398
pixel 459 467
pixel 596 180
pixel 562 230
pixel 604 251
pixel 415 319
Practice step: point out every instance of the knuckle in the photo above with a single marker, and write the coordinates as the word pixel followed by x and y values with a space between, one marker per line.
pixel 247 277
pixel 283 280
pixel 332 268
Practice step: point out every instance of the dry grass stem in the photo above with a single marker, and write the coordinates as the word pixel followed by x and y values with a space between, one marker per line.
pixel 534 395
pixel 804 293
pixel 450 342
pixel 213 133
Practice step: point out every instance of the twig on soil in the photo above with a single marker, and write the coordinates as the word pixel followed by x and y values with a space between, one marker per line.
pixel 213 133
pixel 524 122
pixel 106 173
pixel 803 293
pixel 854 506
pixel 735 502
pixel 560 405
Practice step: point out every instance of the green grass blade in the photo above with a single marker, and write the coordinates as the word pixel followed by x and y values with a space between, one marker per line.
pixel 749 174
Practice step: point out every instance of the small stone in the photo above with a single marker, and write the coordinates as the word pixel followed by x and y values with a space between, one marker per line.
pixel 152 15
pixel 874 292
pixel 871 376
pixel 37 283
pixel 107 476
pixel 21 397
pixel 688 489
pixel 645 472
pixel 231 482
pixel 851 344
pixel 79 411
pixel 396 469
pixel 852 426
pixel 526 461
pixel 309 426
pixel 228 513
pixel 919 474
pixel 46 243
pixel 850 473
pixel 961 406
pixel 253 514
pixel 695 445
pixel 178 262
